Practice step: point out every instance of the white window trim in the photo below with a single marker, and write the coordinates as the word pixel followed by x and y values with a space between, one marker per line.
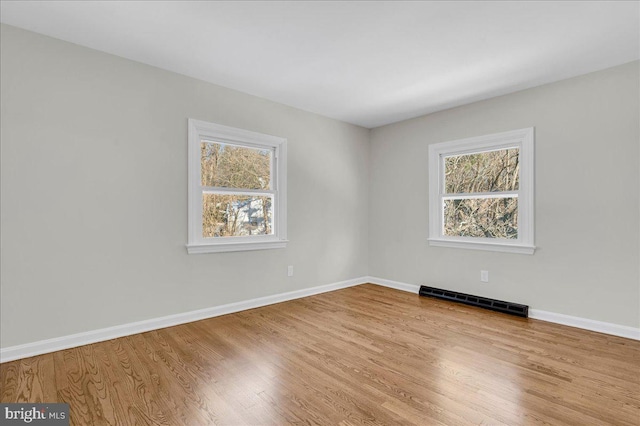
pixel 199 130
pixel 522 139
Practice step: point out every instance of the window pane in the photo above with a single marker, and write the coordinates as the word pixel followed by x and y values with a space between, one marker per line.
pixel 236 215
pixel 481 217
pixel 230 166
pixel 482 172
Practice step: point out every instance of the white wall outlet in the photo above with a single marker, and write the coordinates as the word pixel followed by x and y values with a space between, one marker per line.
pixel 290 271
pixel 484 276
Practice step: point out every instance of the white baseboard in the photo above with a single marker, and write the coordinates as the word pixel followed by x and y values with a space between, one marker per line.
pixel 12 353
pixel 411 288
pixel 586 324
pixel 578 322
pixel 71 341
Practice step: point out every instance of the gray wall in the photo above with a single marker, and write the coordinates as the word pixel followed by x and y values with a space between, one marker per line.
pixel 587 188
pixel 94 193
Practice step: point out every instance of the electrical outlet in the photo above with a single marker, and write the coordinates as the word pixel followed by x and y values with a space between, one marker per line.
pixel 484 276
pixel 290 271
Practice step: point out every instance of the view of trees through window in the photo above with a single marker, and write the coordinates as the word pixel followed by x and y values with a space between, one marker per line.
pixel 480 198
pixel 234 180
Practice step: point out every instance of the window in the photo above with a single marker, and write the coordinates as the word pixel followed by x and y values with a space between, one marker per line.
pixel 481 192
pixel 237 189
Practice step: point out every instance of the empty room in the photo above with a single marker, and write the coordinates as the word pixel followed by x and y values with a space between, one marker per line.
pixel 320 213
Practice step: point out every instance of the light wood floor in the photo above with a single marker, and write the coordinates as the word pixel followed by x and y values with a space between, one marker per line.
pixel 362 355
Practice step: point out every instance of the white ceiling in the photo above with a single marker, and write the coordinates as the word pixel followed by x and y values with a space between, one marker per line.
pixel 367 63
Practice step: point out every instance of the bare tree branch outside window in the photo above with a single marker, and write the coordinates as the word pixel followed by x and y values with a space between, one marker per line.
pixel 227 166
pixel 493 215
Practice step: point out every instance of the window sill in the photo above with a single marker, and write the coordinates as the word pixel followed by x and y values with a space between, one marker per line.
pixel 235 246
pixel 482 245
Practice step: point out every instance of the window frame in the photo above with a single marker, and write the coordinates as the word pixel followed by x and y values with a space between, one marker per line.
pixel 523 139
pixel 197 243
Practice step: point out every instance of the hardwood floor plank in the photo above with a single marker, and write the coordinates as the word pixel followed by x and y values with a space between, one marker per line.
pixel 29 380
pixel 364 355
pixel 9 380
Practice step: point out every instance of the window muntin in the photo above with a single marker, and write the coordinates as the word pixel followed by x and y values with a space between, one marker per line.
pixel 481 192
pixel 237 189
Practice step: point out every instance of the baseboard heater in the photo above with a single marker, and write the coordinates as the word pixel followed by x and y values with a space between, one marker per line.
pixel 482 302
